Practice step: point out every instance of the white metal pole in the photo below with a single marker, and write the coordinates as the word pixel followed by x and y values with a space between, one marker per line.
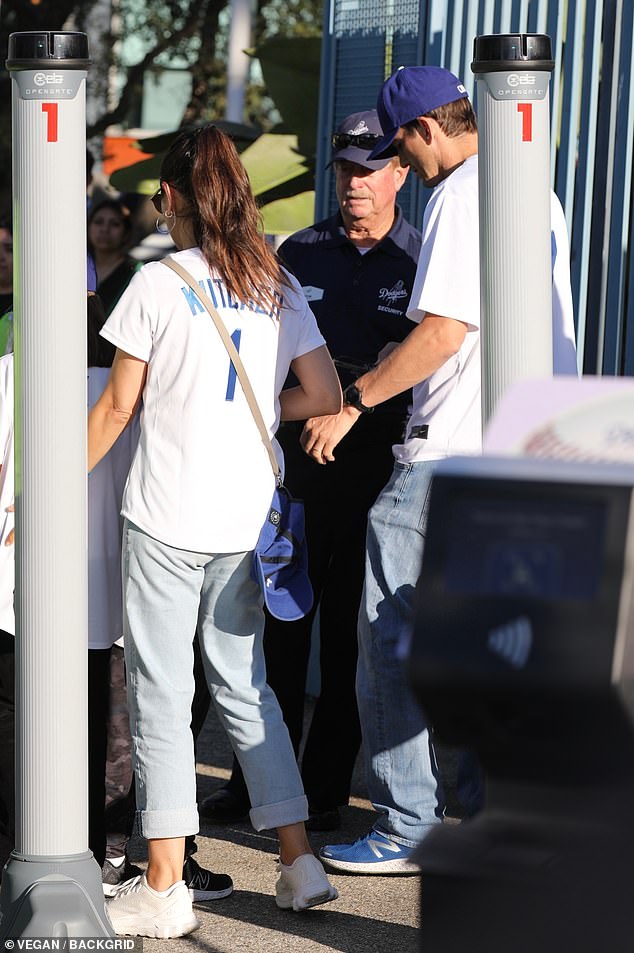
pixel 513 74
pixel 238 63
pixel 52 884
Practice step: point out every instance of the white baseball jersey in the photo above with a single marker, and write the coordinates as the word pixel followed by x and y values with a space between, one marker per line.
pixel 201 478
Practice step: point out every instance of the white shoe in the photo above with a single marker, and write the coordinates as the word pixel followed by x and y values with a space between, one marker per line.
pixel 303 884
pixel 138 910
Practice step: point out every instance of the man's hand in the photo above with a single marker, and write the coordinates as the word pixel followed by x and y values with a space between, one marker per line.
pixel 321 435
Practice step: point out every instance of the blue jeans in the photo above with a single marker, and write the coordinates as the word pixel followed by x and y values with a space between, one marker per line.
pixel 168 593
pixel 402 774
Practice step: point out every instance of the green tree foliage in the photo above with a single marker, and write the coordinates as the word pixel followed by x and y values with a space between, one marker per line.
pixel 191 34
pixel 17 16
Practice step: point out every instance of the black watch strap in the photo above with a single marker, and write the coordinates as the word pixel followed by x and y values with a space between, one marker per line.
pixel 352 398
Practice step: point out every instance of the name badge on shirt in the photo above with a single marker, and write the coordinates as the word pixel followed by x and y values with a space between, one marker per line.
pixel 312 294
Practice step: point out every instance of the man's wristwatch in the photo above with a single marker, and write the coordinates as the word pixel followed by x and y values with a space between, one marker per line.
pixel 352 398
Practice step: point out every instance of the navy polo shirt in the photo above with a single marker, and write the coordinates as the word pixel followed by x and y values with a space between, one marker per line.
pixel 360 301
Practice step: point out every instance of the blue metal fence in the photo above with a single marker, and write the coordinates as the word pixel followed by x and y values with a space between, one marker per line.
pixel 592 126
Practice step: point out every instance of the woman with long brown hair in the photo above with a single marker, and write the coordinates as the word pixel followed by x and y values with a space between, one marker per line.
pixel 197 495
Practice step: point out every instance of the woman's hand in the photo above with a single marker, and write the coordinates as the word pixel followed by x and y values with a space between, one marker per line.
pixel 321 435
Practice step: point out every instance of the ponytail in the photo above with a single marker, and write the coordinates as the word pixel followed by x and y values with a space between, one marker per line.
pixel 204 166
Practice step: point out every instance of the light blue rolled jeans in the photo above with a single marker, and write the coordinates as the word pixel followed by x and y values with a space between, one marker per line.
pixel 168 594
pixel 401 769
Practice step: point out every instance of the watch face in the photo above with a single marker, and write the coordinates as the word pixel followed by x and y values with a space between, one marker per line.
pixel 353 398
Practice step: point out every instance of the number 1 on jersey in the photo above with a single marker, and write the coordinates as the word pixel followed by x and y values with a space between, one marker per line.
pixel 231 383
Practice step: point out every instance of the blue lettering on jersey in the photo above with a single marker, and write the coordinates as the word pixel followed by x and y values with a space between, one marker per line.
pixel 192 300
pixel 210 291
pixel 230 301
pixel 231 383
pixel 278 304
pixel 218 282
pixel 196 306
pixel 257 308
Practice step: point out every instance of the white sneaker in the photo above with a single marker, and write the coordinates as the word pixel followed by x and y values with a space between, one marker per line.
pixel 138 910
pixel 303 884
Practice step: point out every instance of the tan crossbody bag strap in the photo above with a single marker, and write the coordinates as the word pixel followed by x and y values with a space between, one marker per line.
pixel 236 360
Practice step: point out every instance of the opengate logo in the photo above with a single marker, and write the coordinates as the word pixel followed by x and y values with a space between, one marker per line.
pixel 521 79
pixel 42 79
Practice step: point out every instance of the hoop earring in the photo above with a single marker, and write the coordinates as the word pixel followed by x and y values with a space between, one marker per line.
pixel 163 228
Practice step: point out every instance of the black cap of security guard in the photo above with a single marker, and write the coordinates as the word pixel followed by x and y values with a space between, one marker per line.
pixel 355 138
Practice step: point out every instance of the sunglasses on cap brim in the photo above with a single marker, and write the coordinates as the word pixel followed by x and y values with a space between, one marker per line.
pixel 341 140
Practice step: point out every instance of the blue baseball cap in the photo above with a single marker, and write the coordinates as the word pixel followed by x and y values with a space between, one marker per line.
pixel 354 139
pixel 410 92
pixel 280 559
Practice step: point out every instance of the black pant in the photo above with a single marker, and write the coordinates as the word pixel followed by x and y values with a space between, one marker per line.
pixel 7 745
pixel 337 498
pixel 98 707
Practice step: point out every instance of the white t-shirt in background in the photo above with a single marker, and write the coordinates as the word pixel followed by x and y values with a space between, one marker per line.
pixel 201 478
pixel 105 490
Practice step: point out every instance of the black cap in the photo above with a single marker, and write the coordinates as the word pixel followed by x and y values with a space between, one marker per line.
pixel 500 51
pixel 60 48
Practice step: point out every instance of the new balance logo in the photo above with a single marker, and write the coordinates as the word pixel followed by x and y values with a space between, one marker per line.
pixel 376 846
pixel 512 642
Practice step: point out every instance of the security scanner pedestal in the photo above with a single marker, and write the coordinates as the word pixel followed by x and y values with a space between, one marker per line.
pixel 51 885
pixel 523 651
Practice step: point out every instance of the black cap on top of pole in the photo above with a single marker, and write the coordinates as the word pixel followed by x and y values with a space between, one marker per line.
pixel 58 47
pixel 502 51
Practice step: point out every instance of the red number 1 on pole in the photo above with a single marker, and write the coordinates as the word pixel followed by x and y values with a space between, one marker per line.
pixel 526 109
pixel 51 124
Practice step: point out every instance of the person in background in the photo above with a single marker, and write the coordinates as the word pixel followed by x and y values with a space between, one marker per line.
pixel 105 623
pixel 6 285
pixel 90 162
pixel 357 270
pixel 197 496
pixel 109 229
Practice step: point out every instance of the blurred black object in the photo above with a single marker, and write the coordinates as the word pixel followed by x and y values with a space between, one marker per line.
pixel 523 651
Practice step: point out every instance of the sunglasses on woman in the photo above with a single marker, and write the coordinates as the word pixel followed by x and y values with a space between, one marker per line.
pixel 156 200
pixel 341 140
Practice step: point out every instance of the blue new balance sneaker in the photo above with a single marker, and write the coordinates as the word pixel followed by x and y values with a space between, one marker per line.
pixel 373 854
